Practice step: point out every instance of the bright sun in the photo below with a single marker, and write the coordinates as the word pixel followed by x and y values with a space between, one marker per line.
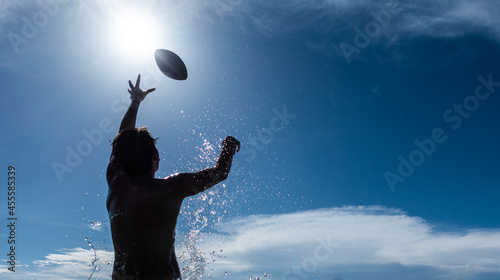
pixel 134 33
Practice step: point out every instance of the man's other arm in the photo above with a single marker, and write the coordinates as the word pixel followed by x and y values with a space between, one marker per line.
pixel 188 184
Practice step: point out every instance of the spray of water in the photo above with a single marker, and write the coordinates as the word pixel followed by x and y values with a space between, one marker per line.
pixel 94 260
pixel 98 264
pixel 201 213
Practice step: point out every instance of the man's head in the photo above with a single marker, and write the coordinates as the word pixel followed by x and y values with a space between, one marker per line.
pixel 136 151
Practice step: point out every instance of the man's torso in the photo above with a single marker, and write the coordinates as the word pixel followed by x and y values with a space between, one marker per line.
pixel 143 219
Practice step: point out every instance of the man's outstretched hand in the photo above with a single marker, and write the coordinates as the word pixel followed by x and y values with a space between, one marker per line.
pixel 232 144
pixel 136 93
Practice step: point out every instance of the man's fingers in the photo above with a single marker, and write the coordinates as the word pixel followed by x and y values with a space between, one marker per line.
pixel 236 144
pixel 150 90
pixel 130 84
pixel 138 80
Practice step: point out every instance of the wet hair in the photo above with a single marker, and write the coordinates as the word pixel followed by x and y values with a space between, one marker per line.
pixel 135 149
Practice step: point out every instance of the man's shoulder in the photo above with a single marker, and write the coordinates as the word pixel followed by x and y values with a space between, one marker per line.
pixel 175 180
pixel 167 182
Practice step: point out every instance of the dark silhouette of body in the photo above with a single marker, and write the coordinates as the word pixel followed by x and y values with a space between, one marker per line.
pixel 143 210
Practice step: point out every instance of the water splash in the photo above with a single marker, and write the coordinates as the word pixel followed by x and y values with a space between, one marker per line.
pixel 95 224
pixel 200 213
pixel 93 264
pixel 193 257
pixel 98 264
pixel 258 277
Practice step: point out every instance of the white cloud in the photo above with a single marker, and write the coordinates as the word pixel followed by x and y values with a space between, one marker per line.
pixel 322 17
pixel 442 18
pixel 66 264
pixel 450 18
pixel 350 239
pixel 325 24
pixel 321 24
pixel 355 242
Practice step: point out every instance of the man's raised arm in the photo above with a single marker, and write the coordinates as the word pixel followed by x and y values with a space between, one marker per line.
pixel 136 95
pixel 128 121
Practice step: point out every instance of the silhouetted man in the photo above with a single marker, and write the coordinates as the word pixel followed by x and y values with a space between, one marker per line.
pixel 143 210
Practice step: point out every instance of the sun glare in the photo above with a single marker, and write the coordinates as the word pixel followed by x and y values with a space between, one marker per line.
pixel 135 34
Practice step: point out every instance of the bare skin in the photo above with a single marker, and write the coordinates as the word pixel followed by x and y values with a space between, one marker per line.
pixel 143 211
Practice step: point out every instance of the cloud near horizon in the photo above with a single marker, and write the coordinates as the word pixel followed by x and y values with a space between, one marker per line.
pixel 65 264
pixel 354 242
pixel 332 242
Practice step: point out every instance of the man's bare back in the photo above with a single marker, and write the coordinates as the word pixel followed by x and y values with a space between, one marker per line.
pixel 143 210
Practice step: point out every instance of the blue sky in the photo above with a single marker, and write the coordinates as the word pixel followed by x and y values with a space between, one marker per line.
pixel 369 129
